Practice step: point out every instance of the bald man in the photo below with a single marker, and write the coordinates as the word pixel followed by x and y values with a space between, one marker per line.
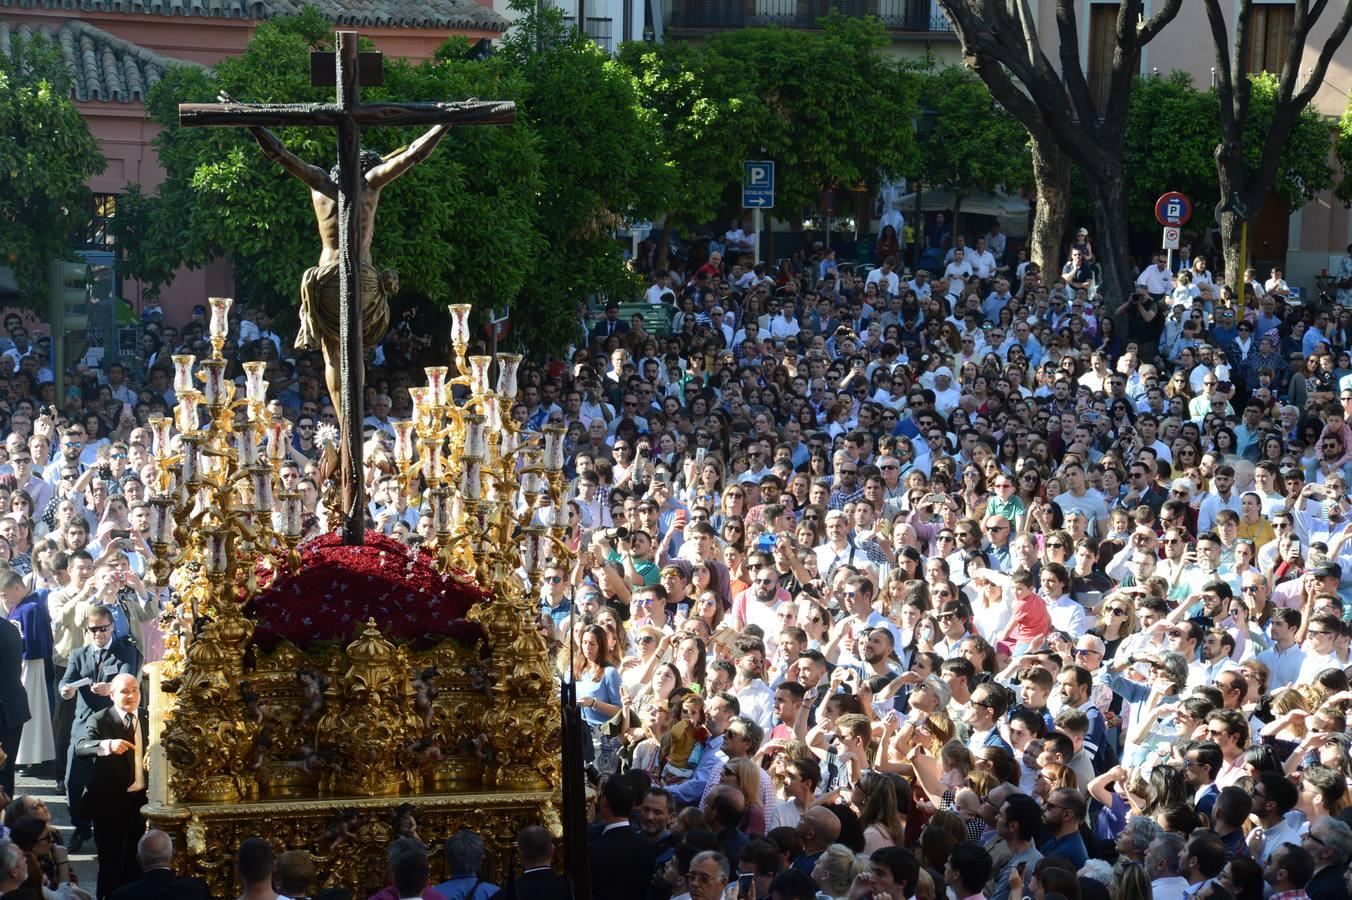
pixel 819 828
pixel 155 853
pixel 117 742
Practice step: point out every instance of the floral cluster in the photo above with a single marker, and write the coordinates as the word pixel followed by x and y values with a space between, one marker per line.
pixel 339 587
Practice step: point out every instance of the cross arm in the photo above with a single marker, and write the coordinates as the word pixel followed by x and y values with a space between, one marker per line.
pixel 466 112
pixel 250 114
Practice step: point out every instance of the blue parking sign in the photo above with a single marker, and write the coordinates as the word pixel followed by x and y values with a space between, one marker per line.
pixel 758 184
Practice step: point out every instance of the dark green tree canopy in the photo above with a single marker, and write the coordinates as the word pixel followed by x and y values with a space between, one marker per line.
pixel 47 156
pixel 827 106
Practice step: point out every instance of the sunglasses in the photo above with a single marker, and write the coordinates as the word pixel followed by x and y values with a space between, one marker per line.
pixel 97 629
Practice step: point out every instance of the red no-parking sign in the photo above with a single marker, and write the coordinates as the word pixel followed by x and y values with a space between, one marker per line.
pixel 1173 210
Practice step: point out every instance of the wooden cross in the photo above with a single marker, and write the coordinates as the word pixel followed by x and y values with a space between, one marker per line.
pixel 348 115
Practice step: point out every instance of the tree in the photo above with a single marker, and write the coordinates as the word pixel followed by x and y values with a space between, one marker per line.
pixel 47 156
pixel 436 226
pixel 975 144
pixel 826 105
pixel 1172 132
pixel 601 162
pixel 1000 42
pixel 1245 179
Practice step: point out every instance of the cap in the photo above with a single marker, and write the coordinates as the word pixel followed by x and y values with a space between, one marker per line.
pixel 1327 570
pixel 1083 231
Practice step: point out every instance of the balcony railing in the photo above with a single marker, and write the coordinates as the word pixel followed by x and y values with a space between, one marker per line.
pixel 918 16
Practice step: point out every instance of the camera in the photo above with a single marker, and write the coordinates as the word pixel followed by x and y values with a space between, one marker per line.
pixel 618 533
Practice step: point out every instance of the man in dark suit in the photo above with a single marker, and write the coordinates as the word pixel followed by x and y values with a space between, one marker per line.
pixel 621 860
pixel 155 853
pixel 99 661
pixel 117 742
pixel 611 324
pixel 13 701
pixel 537 880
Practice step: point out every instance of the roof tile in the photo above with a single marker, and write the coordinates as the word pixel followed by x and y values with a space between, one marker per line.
pixel 396 13
pixel 102 66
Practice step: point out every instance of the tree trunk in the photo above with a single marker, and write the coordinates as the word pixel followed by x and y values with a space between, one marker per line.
pixel 1230 180
pixel 1051 174
pixel 660 251
pixel 1108 191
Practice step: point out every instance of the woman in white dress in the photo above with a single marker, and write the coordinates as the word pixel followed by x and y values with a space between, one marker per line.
pixel 29 613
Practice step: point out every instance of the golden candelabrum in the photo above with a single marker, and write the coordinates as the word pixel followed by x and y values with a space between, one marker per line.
pixel 496 500
pixel 213 518
pixel 289 743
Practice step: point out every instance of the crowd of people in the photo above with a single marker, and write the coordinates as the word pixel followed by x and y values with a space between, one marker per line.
pixel 884 583
pixel 964 582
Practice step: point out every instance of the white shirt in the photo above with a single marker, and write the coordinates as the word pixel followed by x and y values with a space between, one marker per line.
pixel 1156 280
pixel 1285 665
pixel 983 263
pixel 893 285
pixel 1273 838
pixel 1067 615
pixel 758 703
pixel 1314 664
pixel 1170 888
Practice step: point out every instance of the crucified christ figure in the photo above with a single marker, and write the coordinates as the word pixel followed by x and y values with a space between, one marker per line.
pixel 319 293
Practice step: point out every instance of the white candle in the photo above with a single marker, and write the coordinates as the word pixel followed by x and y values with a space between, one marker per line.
pixel 554 448
pixel 214 382
pixel 510 440
pixel 436 384
pixel 507 366
pixel 403 442
pixel 187 410
pixel 183 363
pixel 246 444
pixel 277 434
pixel 475 445
pixel 295 514
pixel 492 413
pixel 478 374
pixel 441 512
pixel 220 316
pixel 471 481
pixel 216 553
pixel 160 520
pixel 433 465
pixel 262 489
pixel 255 388
pixel 161 429
pixel 460 323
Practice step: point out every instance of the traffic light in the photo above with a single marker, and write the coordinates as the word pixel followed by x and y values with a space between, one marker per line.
pixel 68 296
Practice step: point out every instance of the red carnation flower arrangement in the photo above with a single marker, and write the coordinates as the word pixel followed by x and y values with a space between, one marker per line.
pixel 339 587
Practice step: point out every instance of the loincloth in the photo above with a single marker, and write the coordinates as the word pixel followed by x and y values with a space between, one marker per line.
pixel 320 307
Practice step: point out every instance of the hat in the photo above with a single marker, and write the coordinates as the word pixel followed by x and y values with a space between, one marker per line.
pixel 1327 570
pixel 943 371
pixel 1083 231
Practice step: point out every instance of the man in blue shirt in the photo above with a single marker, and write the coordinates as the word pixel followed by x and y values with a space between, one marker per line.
pixel 1061 815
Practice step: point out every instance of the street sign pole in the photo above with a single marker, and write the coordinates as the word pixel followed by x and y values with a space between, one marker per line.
pixel 757 223
pixel 758 194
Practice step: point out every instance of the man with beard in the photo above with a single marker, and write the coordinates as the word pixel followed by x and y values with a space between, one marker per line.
pixel 758 604
pixel 753 695
pixel 655 816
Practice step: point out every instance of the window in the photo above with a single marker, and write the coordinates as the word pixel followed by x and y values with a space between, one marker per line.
pixel 1269 36
pixel 97 233
pixel 1102 44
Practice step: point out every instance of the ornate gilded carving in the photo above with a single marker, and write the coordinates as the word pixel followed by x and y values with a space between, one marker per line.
pixel 370 722
pixel 211 744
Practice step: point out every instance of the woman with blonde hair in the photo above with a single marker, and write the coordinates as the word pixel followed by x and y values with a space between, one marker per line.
pixel 882 811
pixel 834 872
pixel 1053 776
pixel 744 775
